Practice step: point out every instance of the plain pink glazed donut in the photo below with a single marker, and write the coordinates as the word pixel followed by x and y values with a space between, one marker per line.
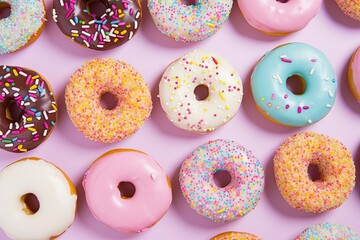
pixel 130 214
pixel 279 17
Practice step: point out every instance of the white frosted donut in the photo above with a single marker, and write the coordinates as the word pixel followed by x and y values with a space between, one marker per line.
pixel 178 83
pixel 54 191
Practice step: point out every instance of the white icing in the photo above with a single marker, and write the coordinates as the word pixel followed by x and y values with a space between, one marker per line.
pixel 176 91
pixel 50 186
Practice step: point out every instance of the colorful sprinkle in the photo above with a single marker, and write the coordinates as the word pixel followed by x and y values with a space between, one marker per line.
pixel 24 24
pixel 236 199
pixel 336 172
pixel 189 23
pixel 20 134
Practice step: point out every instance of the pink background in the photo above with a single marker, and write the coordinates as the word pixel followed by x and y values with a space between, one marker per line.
pixel 150 52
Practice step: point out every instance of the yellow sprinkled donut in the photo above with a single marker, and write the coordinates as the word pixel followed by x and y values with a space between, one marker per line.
pixel 336 172
pixel 94 79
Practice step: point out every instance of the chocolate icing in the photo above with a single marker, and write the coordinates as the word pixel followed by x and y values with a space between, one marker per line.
pixel 117 25
pixel 28 110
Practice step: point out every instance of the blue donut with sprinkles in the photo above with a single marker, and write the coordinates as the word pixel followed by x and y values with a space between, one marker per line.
pixel 281 105
pixel 99 30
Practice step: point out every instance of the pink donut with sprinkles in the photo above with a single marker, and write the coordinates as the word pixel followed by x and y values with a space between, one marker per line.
pixel 222 204
pixel 116 25
pixel 189 23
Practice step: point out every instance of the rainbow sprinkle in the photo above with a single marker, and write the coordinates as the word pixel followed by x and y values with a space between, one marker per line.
pixel 36 104
pixel 236 199
pixel 90 82
pixel 24 23
pixel 335 165
pixel 189 23
pixel 116 26
pixel 328 231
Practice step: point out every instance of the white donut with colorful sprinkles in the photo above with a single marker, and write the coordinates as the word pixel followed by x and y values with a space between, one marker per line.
pixel 182 77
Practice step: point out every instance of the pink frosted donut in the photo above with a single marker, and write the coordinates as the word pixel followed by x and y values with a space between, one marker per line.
pixel 279 17
pixel 354 74
pixel 127 211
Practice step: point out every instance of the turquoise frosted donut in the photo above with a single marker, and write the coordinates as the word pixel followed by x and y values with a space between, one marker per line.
pixel 328 230
pixel 189 23
pixel 277 102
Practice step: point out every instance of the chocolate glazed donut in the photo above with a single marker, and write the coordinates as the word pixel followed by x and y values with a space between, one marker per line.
pixel 28 110
pixel 101 31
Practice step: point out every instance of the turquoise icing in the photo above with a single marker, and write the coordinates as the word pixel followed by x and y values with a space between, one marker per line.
pixel 268 84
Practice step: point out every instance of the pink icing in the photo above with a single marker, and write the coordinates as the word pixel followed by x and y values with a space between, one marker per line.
pixel 150 202
pixel 355 67
pixel 273 16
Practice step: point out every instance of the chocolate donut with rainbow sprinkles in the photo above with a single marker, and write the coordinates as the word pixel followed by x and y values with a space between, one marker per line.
pixel 99 25
pixel 28 109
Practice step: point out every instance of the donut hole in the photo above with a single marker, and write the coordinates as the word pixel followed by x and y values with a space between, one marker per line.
pixel 5 10
pixel 13 112
pixel 31 203
pixel 108 100
pixel 296 84
pixel 282 1
pixel 313 172
pixel 201 92
pixel 188 2
pixel 96 8
pixel 127 190
pixel 222 178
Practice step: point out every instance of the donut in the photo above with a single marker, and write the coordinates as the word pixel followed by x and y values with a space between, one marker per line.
pixel 354 75
pixel 94 79
pixel 336 172
pixel 189 23
pixel 177 92
pixel 277 102
pixel 279 17
pixel 117 25
pixel 328 230
pixel 23 26
pixel 130 213
pixel 222 204
pixel 54 191
pixel 28 110
pixel 350 8
pixel 235 236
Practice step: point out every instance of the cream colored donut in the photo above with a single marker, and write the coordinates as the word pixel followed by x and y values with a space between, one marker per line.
pixel 54 190
pixel 176 91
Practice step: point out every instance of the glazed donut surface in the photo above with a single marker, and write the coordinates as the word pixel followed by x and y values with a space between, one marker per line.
pixel 279 104
pixel 117 25
pixel 177 92
pixel 54 190
pixel 28 109
pixel 150 201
